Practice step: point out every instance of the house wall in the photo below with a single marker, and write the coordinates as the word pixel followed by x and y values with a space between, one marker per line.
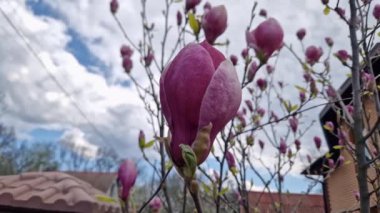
pixel 342 183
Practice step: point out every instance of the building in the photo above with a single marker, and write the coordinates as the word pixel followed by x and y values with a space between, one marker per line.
pixel 340 185
pixel 52 192
pixel 265 202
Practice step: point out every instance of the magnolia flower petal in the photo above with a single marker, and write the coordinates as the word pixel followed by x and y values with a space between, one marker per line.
pixel 217 57
pixel 184 84
pixel 222 98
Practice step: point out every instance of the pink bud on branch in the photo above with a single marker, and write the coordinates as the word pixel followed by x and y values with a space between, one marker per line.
pixel 155 205
pixel 126 177
pixel 317 142
pixel 301 34
pixel 114 6
pixel 199 89
pixel 265 39
pixel 313 54
pixel 376 12
pixel 214 23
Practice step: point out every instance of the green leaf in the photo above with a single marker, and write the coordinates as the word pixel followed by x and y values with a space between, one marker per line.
pixel 206 188
pixel 301 89
pixel 149 144
pixel 378 34
pixel 328 155
pixel 338 147
pixel 168 165
pixel 326 11
pixel 190 159
pixel 293 108
pixel 105 199
pixel 223 191
pixel 194 24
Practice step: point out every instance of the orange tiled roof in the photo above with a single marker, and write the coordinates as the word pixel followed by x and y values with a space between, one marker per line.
pixel 99 180
pixel 298 202
pixel 53 191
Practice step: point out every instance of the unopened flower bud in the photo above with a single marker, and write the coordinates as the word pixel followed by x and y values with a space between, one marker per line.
pixel 127 64
pixel 252 70
pixel 262 84
pixel 114 6
pixel 263 13
pixel 298 144
pixel 293 122
pixel 376 12
pixel 179 18
pixel 126 51
pixel 282 148
pixel 234 59
pixel 313 54
pixel 317 142
pixel 301 34
pixel 329 41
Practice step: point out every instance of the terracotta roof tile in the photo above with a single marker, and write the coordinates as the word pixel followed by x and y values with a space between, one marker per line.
pixel 298 202
pixel 99 180
pixel 52 191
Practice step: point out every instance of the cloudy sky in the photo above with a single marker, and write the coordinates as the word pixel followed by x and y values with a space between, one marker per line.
pixel 78 41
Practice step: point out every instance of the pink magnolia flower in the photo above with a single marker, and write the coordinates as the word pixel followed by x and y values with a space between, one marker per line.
pixel 240 117
pixel 341 12
pixel 357 195
pixel 274 116
pixel 262 84
pixel 126 176
pixel 234 59
pixel 214 23
pixel 244 53
pixel 329 126
pixel 155 204
pixel 191 4
pixel 317 142
pixel 114 6
pixel 148 58
pixel 343 56
pixel 261 112
pixel 249 105
pixel 376 12
pixel 293 122
pixel 301 34
pixel 270 69
pixel 266 38
pixel 252 70
pixel 313 54
pixel 261 144
pixel 263 13
pixel 341 159
pixel 179 18
pixel 331 163
pixel 127 64
pixel 330 91
pixel 369 81
pixel 350 109
pixel 298 144
pixel 302 97
pixel 126 51
pixel 282 148
pixel 230 160
pixel 199 91
pixel 308 158
pixel 329 41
